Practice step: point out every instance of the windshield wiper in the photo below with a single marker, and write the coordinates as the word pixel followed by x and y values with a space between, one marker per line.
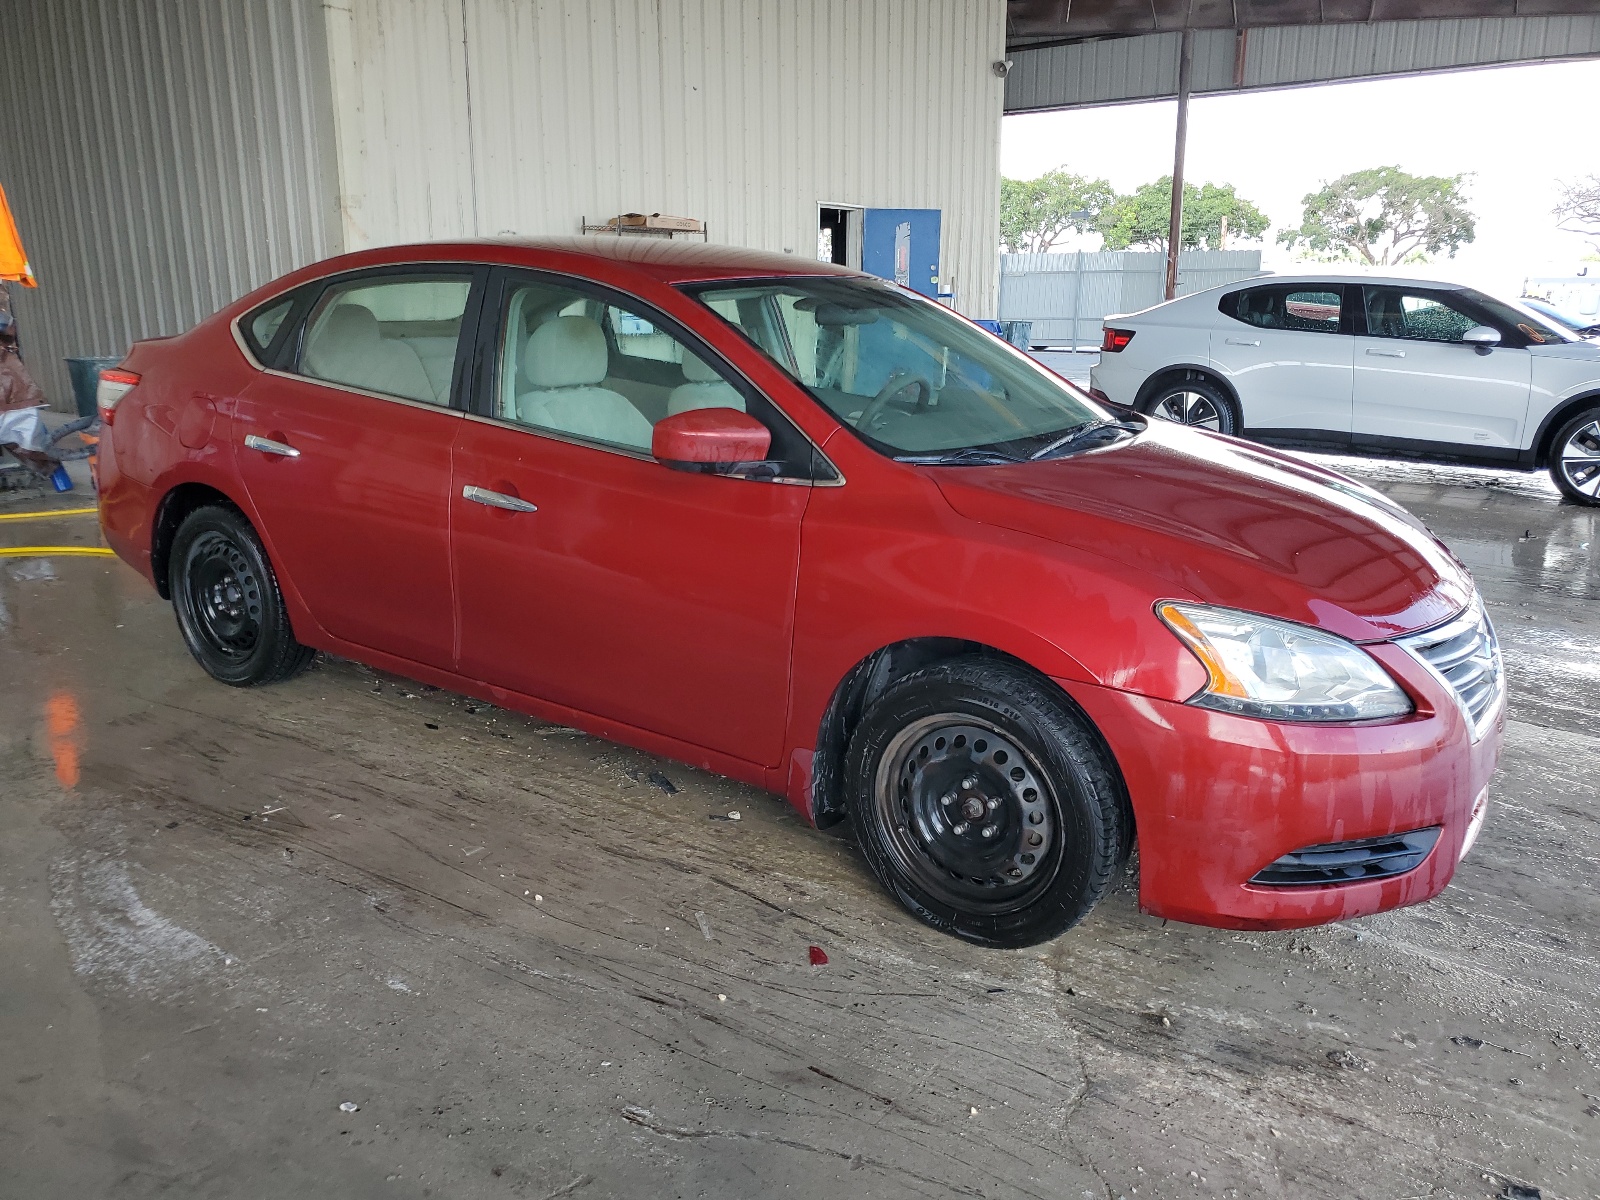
pixel 1080 437
pixel 970 456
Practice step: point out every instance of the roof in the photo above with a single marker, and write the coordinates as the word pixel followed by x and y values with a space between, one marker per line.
pixel 1347 276
pixel 1031 23
pixel 672 259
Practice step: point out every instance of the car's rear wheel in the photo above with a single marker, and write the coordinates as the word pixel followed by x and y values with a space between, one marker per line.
pixel 984 801
pixel 226 596
pixel 1575 458
pixel 1197 402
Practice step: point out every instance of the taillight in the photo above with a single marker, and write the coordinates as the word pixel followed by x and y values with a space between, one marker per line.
pixel 114 385
pixel 1115 340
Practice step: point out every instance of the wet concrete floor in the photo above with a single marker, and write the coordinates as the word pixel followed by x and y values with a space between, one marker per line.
pixel 349 937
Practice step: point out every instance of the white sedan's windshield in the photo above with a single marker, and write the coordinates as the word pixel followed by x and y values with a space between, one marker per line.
pixel 910 377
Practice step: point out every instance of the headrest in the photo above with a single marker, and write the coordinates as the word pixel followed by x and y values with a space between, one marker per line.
pixel 696 371
pixel 567 352
pixel 349 325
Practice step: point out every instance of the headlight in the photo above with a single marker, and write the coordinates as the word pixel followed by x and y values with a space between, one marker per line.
pixel 1260 667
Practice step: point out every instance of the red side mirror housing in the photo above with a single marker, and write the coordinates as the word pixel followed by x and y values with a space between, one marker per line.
pixel 709 437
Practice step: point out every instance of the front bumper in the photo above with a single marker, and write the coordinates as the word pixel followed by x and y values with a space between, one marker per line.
pixel 1218 797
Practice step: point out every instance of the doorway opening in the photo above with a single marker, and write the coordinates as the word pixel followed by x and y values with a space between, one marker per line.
pixel 839 235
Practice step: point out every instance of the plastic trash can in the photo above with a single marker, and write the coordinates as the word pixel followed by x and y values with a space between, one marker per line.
pixel 1019 334
pixel 85 376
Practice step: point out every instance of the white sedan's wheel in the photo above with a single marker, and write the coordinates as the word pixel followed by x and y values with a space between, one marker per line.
pixel 1575 458
pixel 1197 403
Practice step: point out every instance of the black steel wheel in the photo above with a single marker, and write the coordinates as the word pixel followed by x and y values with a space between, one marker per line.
pixel 229 608
pixel 1575 458
pixel 1198 403
pixel 986 803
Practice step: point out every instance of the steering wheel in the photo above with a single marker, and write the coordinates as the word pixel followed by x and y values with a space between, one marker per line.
pixel 898 384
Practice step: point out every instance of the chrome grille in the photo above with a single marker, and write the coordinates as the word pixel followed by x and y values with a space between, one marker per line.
pixel 1464 653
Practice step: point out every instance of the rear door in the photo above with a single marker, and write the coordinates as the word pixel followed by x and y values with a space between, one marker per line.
pixel 589 574
pixel 344 449
pixel 1288 351
pixel 1417 381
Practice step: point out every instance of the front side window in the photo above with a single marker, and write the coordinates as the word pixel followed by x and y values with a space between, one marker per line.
pixel 1396 313
pixel 579 365
pixel 393 334
pixel 909 377
pixel 1304 309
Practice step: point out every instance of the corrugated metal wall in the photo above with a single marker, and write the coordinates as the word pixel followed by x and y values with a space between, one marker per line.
pixel 1146 67
pixel 1067 295
pixel 747 115
pixel 162 157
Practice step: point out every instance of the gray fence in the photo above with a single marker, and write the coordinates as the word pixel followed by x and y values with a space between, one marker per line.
pixel 1067 295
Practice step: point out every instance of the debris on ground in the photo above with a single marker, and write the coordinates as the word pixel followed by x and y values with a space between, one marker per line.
pixel 1471 1043
pixel 657 779
pixel 35 570
pixel 349 1106
pixel 1348 1060
pixel 705 926
pixel 818 958
pixel 1521 1191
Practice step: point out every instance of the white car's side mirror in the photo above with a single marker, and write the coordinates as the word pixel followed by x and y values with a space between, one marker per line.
pixel 1481 338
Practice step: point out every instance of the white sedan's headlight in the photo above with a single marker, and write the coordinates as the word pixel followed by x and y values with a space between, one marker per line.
pixel 1281 671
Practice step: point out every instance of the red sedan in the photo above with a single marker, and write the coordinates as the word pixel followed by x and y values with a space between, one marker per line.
pixel 788 523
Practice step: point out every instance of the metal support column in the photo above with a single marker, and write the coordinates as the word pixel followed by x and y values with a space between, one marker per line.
pixel 1175 229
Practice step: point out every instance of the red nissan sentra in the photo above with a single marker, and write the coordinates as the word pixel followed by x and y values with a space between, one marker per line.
pixel 788 523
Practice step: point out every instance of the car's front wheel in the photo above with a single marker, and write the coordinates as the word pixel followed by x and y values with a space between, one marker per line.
pixel 1195 402
pixel 1575 458
pixel 985 802
pixel 229 608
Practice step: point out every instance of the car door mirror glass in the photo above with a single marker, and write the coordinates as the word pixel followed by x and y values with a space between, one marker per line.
pixel 710 440
pixel 1481 338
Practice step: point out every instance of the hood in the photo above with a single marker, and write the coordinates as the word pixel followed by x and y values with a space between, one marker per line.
pixel 1585 350
pixel 1226 523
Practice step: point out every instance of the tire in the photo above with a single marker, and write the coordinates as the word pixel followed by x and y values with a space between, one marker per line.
pixel 978 743
pixel 1198 403
pixel 1575 458
pixel 226 597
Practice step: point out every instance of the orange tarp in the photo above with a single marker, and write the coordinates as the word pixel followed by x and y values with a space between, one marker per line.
pixel 14 266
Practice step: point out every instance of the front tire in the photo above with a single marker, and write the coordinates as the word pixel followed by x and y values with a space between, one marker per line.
pixel 230 610
pixel 985 802
pixel 1575 458
pixel 1197 402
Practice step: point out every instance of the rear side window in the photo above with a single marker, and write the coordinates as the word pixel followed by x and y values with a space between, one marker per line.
pixel 397 335
pixel 261 327
pixel 1309 309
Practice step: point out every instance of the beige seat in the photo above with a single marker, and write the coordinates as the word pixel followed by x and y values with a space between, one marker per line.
pixel 563 364
pixel 704 389
pixel 348 347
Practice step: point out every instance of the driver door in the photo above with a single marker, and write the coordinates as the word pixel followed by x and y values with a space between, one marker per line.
pixel 1416 381
pixel 591 575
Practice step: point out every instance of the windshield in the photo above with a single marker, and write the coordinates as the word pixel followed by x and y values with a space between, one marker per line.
pixel 1536 327
pixel 910 378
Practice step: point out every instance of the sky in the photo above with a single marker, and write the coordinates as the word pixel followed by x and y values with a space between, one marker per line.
pixel 1503 125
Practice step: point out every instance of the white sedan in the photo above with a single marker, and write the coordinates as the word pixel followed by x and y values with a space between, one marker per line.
pixel 1367 365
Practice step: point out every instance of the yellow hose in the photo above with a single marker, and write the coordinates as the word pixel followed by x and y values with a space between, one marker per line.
pixel 45 516
pixel 51 551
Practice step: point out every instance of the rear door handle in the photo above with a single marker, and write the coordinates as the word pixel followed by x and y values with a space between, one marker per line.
pixel 1243 342
pixel 268 446
pixel 1376 353
pixel 480 495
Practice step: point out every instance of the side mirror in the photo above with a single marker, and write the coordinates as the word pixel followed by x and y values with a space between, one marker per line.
pixel 712 440
pixel 1481 338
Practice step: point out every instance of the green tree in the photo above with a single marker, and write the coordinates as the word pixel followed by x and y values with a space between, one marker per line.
pixel 1213 215
pixel 1035 214
pixel 1383 215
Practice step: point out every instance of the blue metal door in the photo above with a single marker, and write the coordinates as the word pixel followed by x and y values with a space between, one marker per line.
pixel 902 245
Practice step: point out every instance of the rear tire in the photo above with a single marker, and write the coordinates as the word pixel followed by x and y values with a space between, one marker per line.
pixel 229 608
pixel 1575 458
pixel 984 801
pixel 1198 403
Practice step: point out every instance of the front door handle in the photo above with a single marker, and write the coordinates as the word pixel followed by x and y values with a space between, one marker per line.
pixel 1243 342
pixel 480 495
pixel 1376 353
pixel 268 446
